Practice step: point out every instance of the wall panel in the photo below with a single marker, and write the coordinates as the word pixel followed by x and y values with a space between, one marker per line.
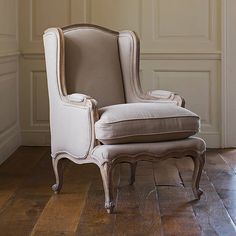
pixel 9 118
pixel 116 14
pixel 181 26
pixel 198 81
pixel 9 125
pixel 42 18
pixel 39 98
pixel 164 26
pixel 34 104
pixel 180 51
pixel 8 114
pixel 8 26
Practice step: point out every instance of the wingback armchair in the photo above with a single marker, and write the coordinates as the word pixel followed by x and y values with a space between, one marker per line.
pixel 99 114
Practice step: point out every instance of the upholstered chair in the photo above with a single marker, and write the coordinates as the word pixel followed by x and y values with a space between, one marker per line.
pixel 99 114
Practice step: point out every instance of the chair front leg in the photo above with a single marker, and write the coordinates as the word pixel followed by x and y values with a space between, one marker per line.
pixel 199 162
pixel 133 167
pixel 58 171
pixel 107 178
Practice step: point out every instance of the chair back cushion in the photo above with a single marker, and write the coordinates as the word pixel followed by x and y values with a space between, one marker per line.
pixel 92 64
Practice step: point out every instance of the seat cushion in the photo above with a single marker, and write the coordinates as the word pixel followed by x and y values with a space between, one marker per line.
pixel 145 122
pixel 184 147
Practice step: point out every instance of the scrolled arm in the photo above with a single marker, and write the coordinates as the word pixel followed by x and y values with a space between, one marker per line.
pixel 163 95
pixel 79 99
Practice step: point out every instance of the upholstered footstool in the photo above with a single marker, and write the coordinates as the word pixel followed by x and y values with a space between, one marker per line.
pixel 108 156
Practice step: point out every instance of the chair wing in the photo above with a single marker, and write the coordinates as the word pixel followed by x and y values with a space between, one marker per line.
pixel 72 117
pixel 129 47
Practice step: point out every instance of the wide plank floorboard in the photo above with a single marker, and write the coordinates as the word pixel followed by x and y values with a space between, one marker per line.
pixel 22 210
pixel 177 215
pixel 211 209
pixel 94 219
pixel 16 169
pixel 160 202
pixel 70 202
pixel 137 207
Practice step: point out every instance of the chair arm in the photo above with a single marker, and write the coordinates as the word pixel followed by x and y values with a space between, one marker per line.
pixel 72 120
pixel 80 99
pixel 162 95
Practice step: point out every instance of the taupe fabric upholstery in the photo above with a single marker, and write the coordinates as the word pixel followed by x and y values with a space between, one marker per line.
pixel 92 64
pixel 90 67
pixel 140 122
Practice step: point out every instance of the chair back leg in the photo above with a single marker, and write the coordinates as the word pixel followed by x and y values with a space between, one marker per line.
pixel 199 162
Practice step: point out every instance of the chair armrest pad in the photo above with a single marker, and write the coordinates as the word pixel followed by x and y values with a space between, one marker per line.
pixel 163 95
pixel 78 97
pixel 80 100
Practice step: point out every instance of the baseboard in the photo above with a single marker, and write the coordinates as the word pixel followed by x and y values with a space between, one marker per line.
pixel 35 138
pixel 9 144
pixel 212 139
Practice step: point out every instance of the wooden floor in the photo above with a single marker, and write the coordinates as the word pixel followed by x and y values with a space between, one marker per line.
pixel 159 203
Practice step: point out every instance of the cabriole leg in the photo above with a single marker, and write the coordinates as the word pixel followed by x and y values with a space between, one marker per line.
pixel 107 179
pixel 58 171
pixel 133 167
pixel 199 162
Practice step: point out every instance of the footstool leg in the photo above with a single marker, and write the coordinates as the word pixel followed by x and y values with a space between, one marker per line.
pixel 199 162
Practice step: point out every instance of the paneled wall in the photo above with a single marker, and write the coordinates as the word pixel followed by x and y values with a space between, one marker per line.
pixel 9 120
pixel 180 51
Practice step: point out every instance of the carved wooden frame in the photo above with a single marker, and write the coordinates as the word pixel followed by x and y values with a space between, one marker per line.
pixel 107 167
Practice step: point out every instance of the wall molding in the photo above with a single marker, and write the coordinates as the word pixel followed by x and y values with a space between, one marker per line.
pixel 153 56
pixel 228 112
pixel 33 56
pixel 35 137
pixel 208 113
pixel 35 121
pixel 211 138
pixel 224 75
pixel 10 136
pixel 10 141
pixel 157 26
pixel 36 36
pixel 9 54
pixel 181 56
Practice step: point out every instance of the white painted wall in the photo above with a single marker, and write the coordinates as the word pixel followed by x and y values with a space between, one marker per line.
pixel 180 51
pixel 9 110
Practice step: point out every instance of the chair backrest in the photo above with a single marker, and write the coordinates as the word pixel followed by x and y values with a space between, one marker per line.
pixel 92 63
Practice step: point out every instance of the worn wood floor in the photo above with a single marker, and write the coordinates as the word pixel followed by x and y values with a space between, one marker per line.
pixel 159 203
